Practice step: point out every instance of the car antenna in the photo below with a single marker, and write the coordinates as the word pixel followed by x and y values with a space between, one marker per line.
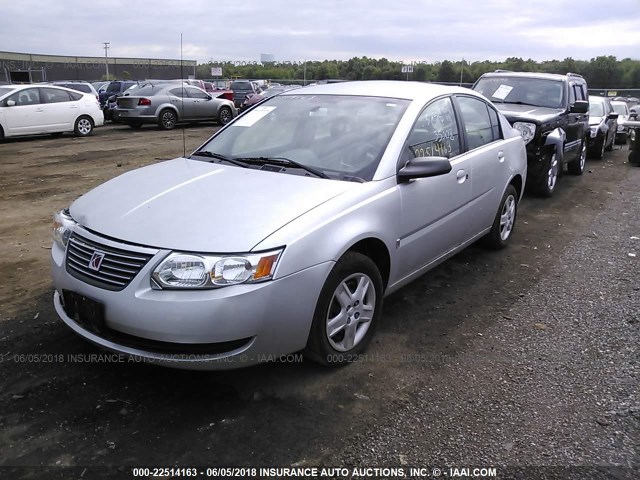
pixel 184 142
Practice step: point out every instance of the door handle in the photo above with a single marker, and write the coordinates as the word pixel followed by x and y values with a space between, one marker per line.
pixel 461 176
pixel 39 109
pixel 501 156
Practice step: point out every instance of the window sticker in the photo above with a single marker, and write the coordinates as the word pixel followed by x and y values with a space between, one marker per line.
pixel 249 118
pixel 502 92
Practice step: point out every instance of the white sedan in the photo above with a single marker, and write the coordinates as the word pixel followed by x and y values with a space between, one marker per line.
pixel 35 109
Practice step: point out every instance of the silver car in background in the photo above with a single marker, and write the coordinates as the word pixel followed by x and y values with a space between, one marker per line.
pixel 622 109
pixel 286 229
pixel 167 104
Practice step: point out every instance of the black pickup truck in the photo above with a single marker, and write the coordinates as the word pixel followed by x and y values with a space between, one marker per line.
pixel 551 113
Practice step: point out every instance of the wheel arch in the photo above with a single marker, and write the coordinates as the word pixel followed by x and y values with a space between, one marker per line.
pixel 517 183
pixel 556 139
pixel 168 106
pixel 377 251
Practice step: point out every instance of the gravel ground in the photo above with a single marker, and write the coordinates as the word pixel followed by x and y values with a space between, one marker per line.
pixel 554 382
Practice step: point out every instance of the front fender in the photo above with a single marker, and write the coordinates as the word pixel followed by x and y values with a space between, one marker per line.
pixel 557 139
pixel 326 232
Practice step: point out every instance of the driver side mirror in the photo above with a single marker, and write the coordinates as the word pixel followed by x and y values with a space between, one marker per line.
pixel 612 116
pixel 11 103
pixel 422 167
pixel 580 106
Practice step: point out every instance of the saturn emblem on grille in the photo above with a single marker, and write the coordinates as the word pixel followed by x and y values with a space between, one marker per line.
pixel 96 260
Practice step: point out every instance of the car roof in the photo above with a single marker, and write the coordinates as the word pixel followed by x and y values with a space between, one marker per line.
pixel 546 76
pixel 618 102
pixel 19 87
pixel 382 88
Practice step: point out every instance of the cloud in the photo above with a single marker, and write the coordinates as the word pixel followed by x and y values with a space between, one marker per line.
pixel 418 30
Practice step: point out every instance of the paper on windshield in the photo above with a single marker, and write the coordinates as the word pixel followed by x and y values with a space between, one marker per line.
pixel 502 92
pixel 249 118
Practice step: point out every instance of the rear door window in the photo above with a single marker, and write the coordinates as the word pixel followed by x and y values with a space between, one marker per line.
pixel 53 95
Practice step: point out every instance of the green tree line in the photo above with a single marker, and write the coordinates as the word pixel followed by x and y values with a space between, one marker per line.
pixel 600 72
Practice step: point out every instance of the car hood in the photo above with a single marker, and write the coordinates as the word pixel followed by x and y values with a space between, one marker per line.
pixel 199 206
pixel 515 113
pixel 595 120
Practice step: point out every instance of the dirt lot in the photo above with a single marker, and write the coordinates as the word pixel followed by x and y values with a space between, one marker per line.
pixel 470 325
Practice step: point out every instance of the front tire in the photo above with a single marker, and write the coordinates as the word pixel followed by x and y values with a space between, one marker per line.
pixel 167 119
pixel 83 127
pixel 347 312
pixel 504 222
pixel 599 154
pixel 549 177
pixel 577 166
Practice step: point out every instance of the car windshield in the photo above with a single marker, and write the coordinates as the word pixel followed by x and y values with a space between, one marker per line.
pixel 596 109
pixel 620 108
pixel 114 87
pixel 241 86
pixel 5 90
pixel 81 87
pixel 537 92
pixel 146 90
pixel 340 136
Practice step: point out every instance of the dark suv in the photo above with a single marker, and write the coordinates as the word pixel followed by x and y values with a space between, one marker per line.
pixel 551 113
pixel 117 87
pixel 241 89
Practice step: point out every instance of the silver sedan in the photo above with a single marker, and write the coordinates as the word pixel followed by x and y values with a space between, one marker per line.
pixel 287 228
pixel 167 104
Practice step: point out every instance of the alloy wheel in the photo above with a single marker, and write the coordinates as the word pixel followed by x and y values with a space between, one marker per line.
pixel 507 217
pixel 350 312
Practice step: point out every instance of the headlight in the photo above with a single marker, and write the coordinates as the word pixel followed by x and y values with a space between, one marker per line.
pixel 62 227
pixel 594 131
pixel 188 270
pixel 527 130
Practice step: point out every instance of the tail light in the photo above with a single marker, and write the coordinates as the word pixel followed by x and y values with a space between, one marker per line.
pixel 144 101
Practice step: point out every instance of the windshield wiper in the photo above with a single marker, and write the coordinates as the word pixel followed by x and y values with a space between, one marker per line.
pixel 521 103
pixel 233 161
pixel 286 162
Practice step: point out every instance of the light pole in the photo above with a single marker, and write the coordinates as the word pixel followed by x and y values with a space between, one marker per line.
pixel 106 62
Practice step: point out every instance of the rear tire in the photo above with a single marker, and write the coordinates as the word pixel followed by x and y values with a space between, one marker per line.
pixel 225 116
pixel 347 312
pixel 505 221
pixel 83 126
pixel 167 119
pixel 577 166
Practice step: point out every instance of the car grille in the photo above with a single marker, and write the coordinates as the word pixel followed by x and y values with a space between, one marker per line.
pixel 115 272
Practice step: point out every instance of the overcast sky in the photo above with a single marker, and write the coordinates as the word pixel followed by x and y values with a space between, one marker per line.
pixel 402 30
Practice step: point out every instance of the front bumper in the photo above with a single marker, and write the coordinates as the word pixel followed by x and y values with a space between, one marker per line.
pixel 230 327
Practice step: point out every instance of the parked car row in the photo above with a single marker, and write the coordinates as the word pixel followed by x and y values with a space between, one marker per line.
pixel 349 191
